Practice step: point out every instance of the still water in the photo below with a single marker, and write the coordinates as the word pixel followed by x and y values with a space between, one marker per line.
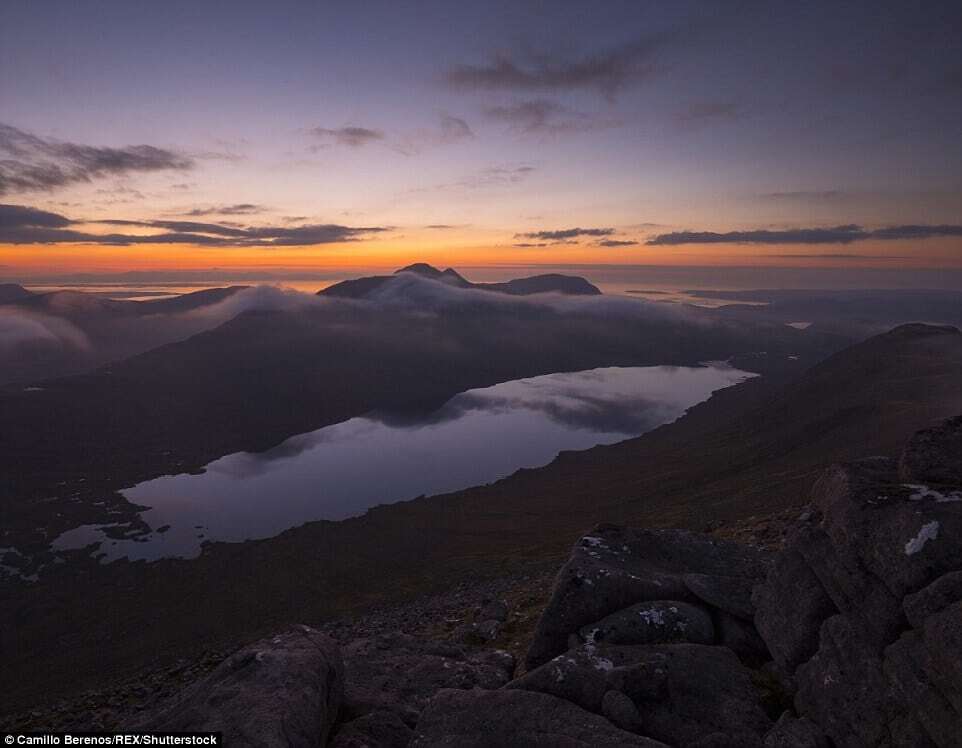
pixel 340 471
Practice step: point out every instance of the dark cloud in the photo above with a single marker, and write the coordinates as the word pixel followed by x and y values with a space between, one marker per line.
pixel 184 226
pixel 607 71
pixel 528 245
pixel 17 216
pixel 837 256
pixel 617 243
pixel 440 226
pixel 917 232
pixel 24 225
pixel 564 234
pixel 238 209
pixel 544 117
pixel 835 235
pixel 32 163
pixel 353 137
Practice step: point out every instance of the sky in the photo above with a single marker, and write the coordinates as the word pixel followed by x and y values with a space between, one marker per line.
pixel 153 137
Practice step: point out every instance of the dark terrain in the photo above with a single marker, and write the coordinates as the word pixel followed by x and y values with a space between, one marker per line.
pixel 751 450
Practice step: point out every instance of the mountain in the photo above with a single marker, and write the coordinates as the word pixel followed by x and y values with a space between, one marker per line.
pixel 10 292
pixel 858 313
pixel 749 451
pixel 68 332
pixel 362 288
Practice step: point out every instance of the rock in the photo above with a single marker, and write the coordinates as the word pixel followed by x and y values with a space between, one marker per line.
pixel 655 622
pixel 281 691
pixel 740 637
pixel 933 598
pixel 489 629
pixel 683 692
pixel 794 732
pixel 909 668
pixel 836 608
pixel 903 538
pixel 852 588
pixel 731 594
pixel 615 567
pixel 621 711
pixel 934 455
pixel 398 673
pixel 843 689
pixel 520 719
pixel 791 606
pixel 380 729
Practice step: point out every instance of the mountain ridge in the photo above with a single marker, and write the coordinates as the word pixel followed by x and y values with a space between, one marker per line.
pixel 362 288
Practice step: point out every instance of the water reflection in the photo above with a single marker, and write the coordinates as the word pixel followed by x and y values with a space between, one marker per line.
pixel 342 470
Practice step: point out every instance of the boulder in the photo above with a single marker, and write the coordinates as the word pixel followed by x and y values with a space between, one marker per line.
pixel 904 538
pixel 496 610
pixel 520 719
pixel 380 729
pixel 740 637
pixel 852 588
pixel 795 732
pixel 655 622
pixel 933 598
pixel 844 690
pixel 934 455
pixel 621 711
pixel 683 692
pixel 281 691
pixel 728 593
pixel 613 568
pixel 863 609
pixel 909 668
pixel 399 673
pixel 791 606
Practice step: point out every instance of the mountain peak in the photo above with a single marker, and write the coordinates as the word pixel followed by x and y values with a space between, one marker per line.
pixel 422 268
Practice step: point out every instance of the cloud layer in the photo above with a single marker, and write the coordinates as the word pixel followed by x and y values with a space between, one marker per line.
pixel 352 137
pixel 20 224
pixel 607 70
pixel 563 234
pixel 31 163
pixel 835 235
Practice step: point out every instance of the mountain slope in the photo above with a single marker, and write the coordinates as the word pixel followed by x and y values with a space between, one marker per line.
pixel 67 332
pixel 11 292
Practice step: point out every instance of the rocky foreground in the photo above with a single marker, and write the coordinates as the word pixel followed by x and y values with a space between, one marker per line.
pixel 850 635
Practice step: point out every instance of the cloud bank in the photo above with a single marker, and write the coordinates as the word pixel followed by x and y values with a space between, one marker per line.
pixel 20 224
pixel 31 163
pixel 606 71
pixel 352 137
pixel 562 234
pixel 835 235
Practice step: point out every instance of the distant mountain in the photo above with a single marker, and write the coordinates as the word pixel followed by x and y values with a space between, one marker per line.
pixel 571 285
pixel 68 332
pixel 10 292
pixel 361 288
pixel 858 313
